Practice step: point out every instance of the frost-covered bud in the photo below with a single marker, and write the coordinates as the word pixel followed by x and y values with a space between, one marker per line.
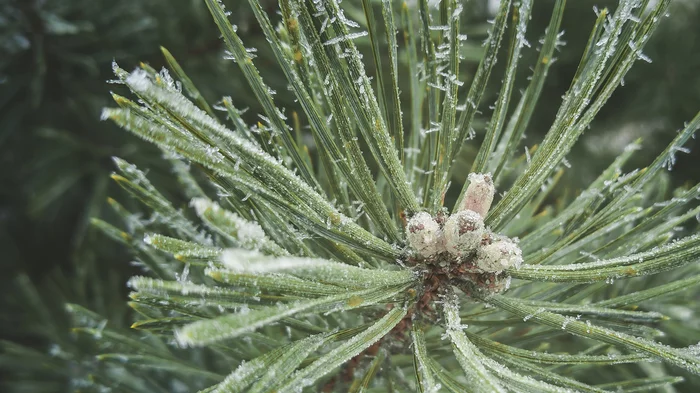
pixel 479 194
pixel 498 256
pixel 424 235
pixel 463 232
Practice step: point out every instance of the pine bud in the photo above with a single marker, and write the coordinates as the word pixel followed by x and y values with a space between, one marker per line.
pixel 498 256
pixel 423 234
pixel 463 232
pixel 479 194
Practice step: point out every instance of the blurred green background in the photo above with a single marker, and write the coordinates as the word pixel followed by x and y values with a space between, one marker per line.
pixel 55 64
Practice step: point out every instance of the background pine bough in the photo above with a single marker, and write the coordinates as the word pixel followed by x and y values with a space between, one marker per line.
pixel 322 297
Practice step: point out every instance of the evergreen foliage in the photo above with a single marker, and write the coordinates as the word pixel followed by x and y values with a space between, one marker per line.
pixel 356 237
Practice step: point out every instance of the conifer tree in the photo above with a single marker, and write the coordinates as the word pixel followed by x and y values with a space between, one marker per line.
pixel 373 234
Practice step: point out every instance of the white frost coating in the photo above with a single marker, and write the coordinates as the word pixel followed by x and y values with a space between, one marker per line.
pixel 164 289
pixel 343 352
pixel 243 261
pixel 241 232
pixel 467 354
pixel 424 235
pixel 464 231
pixel 228 326
pixel 270 168
pixel 200 205
pixel 694 349
pixel 677 246
pixel 286 363
pixel 315 269
pixel 348 37
pixel 243 375
pixel 479 194
pixel 498 256
pixel 248 233
pixel 519 380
